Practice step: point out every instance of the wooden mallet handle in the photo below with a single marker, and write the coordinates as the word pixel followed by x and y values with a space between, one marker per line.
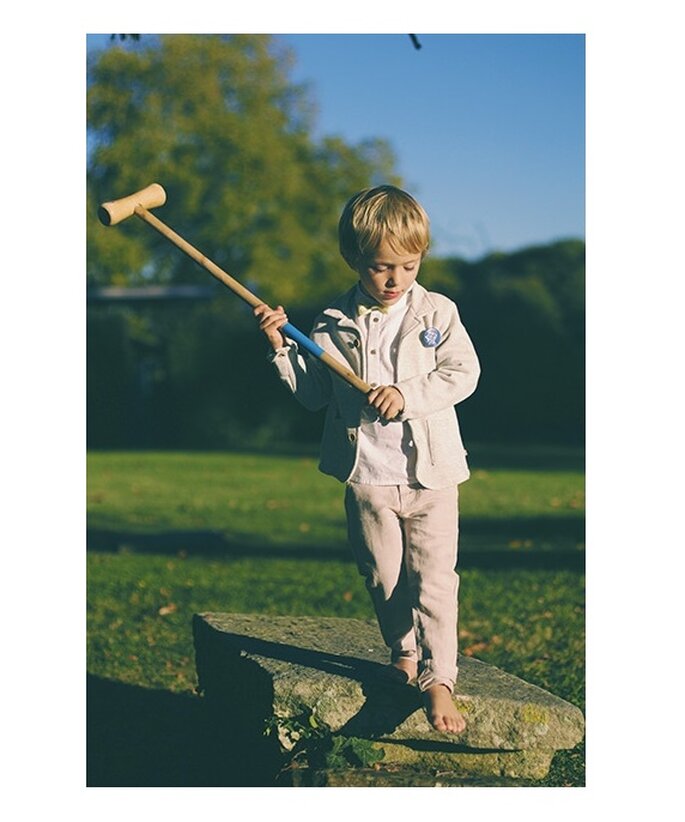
pixel 154 195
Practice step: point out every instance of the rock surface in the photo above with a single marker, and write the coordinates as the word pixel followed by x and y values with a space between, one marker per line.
pixel 287 666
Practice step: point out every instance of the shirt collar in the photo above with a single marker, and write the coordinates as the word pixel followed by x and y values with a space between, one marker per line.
pixel 361 298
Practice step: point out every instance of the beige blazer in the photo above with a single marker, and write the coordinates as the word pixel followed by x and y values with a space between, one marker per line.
pixel 432 379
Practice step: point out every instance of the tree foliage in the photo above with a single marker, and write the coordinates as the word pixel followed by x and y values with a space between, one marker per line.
pixel 526 314
pixel 216 120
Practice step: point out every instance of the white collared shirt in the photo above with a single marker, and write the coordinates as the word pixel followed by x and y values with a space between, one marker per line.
pixel 386 453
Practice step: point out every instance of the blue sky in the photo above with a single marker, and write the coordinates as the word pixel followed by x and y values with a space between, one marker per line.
pixel 488 129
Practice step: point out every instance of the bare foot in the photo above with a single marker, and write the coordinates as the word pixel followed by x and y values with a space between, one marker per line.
pixel 441 710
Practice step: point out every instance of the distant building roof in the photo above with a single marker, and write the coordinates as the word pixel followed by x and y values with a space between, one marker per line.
pixel 150 293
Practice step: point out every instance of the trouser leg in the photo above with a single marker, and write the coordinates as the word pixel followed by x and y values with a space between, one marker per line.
pixel 377 539
pixel 430 522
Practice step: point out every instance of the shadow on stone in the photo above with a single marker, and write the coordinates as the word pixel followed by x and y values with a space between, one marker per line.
pixel 227 677
pixel 386 707
pixel 352 667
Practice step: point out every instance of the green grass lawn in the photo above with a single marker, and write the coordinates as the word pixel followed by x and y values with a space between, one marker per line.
pixel 172 534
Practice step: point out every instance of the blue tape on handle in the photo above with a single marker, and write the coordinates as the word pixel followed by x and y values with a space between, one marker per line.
pixel 302 340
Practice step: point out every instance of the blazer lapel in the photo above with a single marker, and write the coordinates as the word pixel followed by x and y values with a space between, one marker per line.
pixel 419 306
pixel 344 331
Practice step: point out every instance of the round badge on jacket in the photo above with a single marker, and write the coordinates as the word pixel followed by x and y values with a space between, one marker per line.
pixel 430 337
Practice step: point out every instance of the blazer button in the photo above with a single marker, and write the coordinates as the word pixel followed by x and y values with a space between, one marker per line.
pixel 352 436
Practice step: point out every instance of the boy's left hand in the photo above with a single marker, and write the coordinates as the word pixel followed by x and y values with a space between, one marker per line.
pixel 387 400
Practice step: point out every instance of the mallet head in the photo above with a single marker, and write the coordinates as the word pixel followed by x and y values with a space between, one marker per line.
pixel 117 210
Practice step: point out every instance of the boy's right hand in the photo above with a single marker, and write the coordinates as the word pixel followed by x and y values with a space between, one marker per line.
pixel 270 321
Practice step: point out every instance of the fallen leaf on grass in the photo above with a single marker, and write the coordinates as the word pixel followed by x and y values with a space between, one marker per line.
pixel 167 609
pixel 273 504
pixel 521 543
pixel 475 648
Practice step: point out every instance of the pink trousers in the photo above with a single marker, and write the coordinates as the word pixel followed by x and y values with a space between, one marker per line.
pixel 404 541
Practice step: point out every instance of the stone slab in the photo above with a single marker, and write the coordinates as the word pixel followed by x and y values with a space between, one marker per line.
pixel 334 667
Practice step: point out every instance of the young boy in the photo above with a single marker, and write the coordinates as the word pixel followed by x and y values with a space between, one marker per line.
pixel 397 449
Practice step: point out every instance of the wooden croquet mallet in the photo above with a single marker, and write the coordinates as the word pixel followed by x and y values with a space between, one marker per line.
pixel 154 195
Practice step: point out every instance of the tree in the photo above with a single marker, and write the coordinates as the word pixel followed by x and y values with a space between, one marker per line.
pixel 215 120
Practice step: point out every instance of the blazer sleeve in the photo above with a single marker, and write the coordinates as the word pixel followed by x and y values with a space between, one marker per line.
pixel 454 378
pixel 307 378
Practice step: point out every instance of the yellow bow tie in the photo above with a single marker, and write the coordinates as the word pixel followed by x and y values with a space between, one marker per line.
pixel 367 309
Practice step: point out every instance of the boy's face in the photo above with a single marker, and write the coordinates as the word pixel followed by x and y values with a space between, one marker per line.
pixel 387 275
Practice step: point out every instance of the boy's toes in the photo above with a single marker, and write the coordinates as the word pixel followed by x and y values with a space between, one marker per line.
pixel 456 723
pixel 442 713
pixel 448 724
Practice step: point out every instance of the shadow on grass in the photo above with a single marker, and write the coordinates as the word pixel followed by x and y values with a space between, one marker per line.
pixel 139 737
pixel 484 544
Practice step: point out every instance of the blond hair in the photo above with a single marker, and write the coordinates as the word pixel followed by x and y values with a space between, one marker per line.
pixel 382 214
